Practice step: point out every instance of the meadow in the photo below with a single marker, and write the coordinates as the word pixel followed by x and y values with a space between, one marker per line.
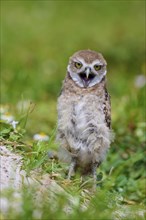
pixel 37 38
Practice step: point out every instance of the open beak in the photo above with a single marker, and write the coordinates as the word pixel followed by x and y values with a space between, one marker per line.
pixel 87 76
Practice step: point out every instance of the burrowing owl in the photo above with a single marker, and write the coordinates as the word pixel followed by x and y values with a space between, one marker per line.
pixel 84 112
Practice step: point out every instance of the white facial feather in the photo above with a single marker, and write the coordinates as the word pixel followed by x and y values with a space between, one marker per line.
pixel 76 78
pixel 97 79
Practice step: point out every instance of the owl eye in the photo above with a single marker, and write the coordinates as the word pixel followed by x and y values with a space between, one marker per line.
pixel 78 65
pixel 97 67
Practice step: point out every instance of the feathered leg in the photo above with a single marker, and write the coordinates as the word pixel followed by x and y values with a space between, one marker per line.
pixel 72 168
pixel 94 168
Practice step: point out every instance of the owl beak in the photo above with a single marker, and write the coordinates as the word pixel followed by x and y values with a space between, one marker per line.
pixel 86 80
pixel 87 72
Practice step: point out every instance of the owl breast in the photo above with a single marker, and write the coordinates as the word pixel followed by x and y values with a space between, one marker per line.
pixel 82 130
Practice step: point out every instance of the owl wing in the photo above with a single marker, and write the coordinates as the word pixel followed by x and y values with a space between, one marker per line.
pixel 107 109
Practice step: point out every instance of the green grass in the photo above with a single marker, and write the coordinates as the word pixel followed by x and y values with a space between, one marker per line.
pixel 37 38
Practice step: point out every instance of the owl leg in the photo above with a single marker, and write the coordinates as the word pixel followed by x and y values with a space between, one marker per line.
pixel 72 168
pixel 94 168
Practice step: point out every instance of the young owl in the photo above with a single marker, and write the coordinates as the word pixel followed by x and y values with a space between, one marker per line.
pixel 84 113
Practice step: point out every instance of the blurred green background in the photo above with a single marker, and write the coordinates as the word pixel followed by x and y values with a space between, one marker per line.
pixel 37 38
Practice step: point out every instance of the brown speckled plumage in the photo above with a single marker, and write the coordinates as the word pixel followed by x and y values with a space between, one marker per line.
pixel 84 114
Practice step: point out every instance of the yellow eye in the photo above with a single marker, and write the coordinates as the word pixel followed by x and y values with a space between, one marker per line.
pixel 78 65
pixel 97 67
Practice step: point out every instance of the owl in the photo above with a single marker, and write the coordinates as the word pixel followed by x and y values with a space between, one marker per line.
pixel 84 113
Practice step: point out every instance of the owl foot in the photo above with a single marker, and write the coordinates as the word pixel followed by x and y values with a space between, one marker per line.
pixel 72 168
pixel 94 168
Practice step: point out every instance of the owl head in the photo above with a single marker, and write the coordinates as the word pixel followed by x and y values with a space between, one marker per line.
pixel 87 68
